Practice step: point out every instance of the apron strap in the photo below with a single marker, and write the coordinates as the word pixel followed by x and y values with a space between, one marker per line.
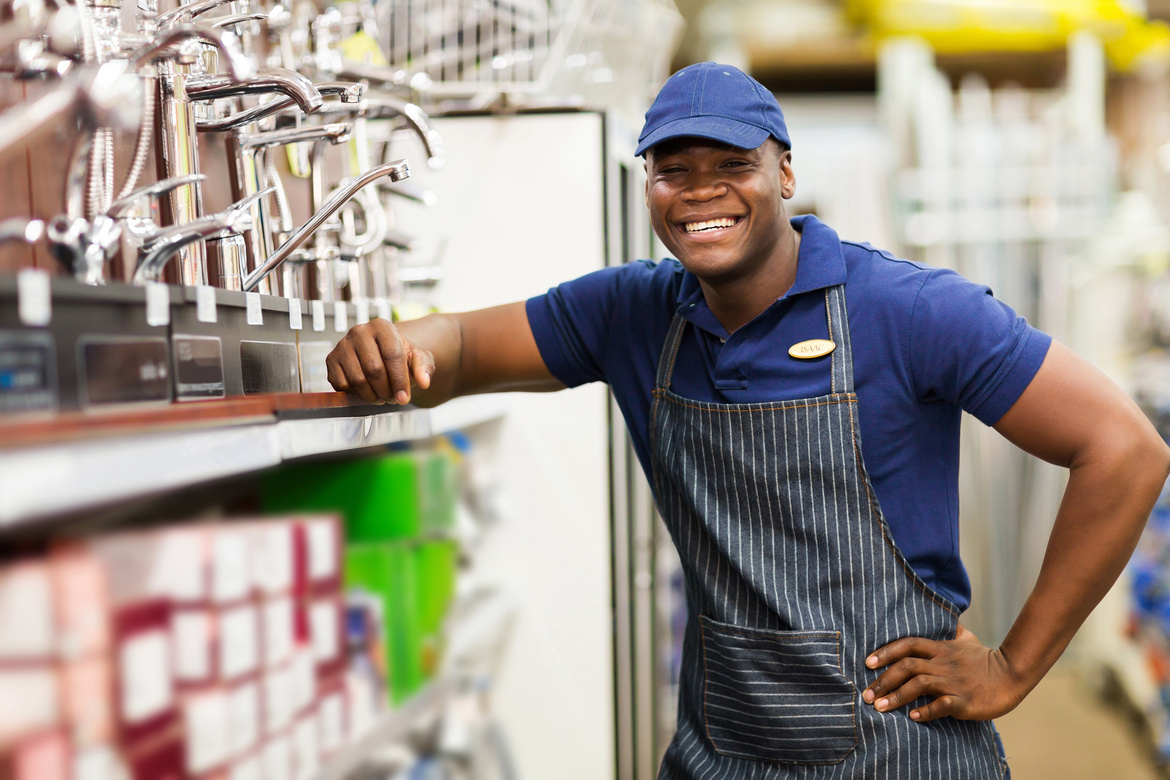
pixel 838 317
pixel 839 333
pixel 669 352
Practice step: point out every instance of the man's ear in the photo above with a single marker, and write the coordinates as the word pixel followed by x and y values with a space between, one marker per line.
pixel 787 175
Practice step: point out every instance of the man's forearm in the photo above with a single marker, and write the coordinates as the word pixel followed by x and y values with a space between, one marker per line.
pixel 1111 490
pixel 442 336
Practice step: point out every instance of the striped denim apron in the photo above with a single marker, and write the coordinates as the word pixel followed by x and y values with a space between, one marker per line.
pixel 792 579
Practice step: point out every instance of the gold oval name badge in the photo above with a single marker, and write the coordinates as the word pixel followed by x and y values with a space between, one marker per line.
pixel 813 348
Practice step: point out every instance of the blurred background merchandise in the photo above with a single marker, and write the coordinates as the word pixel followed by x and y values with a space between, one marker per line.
pixel 213 567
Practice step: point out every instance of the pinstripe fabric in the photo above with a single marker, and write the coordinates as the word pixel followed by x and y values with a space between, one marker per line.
pixel 792 578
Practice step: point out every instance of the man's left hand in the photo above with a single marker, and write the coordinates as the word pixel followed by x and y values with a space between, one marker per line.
pixel 967 680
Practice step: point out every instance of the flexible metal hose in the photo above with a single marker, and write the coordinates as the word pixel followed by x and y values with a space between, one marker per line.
pixel 145 136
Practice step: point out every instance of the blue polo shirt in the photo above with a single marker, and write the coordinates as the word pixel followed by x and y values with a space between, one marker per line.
pixel 927 344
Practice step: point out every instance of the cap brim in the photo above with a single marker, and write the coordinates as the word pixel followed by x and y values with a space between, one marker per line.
pixel 717 128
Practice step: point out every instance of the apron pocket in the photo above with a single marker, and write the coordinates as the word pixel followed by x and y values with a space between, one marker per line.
pixel 776 696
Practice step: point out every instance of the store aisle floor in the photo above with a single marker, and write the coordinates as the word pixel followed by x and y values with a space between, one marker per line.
pixel 1063 731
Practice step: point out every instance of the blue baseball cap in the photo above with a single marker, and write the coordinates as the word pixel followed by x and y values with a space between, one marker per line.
pixel 713 101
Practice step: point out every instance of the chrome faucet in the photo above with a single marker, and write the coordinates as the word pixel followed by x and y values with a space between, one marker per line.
pixel 250 175
pixel 167 243
pixel 178 153
pixel 396 171
pixel 265 82
pixel 347 92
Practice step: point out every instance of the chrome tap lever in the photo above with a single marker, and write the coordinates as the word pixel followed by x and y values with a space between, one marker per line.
pixel 83 246
pixel 347 92
pixel 266 81
pixel 396 170
pixel 165 244
pixel 122 205
pixel 185 13
pixel 234 19
pixel 336 132
pixel 21 229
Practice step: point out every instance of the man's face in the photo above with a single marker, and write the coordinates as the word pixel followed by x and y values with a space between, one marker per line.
pixel 719 209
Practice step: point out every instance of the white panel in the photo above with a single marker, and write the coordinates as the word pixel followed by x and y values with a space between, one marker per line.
pixel 520 210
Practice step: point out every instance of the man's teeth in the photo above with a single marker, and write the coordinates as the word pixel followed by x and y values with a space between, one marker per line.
pixel 711 224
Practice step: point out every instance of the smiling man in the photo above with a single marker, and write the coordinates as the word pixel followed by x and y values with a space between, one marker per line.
pixel 795 401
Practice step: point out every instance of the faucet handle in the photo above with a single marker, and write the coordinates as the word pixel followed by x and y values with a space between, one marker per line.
pixel 185 13
pixel 119 207
pixel 21 229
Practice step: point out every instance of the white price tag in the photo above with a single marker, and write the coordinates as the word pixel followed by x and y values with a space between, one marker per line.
pixel 383 309
pixel 294 313
pixel 318 315
pixel 255 313
pixel 363 312
pixel 205 303
pixel 34 299
pixel 340 323
pixel 158 305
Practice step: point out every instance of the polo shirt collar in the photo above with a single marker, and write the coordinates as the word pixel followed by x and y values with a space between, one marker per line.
pixel 820 264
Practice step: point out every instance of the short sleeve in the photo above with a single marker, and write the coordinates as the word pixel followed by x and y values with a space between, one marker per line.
pixel 970 349
pixel 574 322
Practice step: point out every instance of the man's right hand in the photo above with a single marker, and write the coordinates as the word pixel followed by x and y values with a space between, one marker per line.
pixel 379 364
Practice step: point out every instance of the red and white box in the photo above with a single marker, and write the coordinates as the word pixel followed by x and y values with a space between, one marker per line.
pixel 142 655
pixel 277 756
pixel 206 725
pixel 273 557
pixel 326 627
pixel 87 696
pixel 319 542
pixel 279 630
pixel 306 748
pixel 277 691
pixel 331 721
pixel 250 767
pixel 232 578
pixel 244 718
pixel 238 638
pixel 28 631
pixel 29 701
pixel 44 756
pixel 193 637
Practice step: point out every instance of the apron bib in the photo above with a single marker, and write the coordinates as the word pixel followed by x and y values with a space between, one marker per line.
pixel 792 579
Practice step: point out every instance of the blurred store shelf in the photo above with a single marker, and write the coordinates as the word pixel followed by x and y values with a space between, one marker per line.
pixel 56 466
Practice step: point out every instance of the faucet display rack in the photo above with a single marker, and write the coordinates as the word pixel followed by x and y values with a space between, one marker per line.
pixel 265 266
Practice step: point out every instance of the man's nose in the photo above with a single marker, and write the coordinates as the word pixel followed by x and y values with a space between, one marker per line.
pixel 703 187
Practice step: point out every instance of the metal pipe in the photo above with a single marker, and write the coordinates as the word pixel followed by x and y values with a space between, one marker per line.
pixel 266 81
pixel 395 170
pixel 234 19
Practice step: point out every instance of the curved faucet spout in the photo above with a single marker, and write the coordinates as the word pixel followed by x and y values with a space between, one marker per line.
pixel 347 92
pixel 266 81
pixel 396 170
pixel 240 67
pixel 418 121
pixel 21 229
pixel 188 12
